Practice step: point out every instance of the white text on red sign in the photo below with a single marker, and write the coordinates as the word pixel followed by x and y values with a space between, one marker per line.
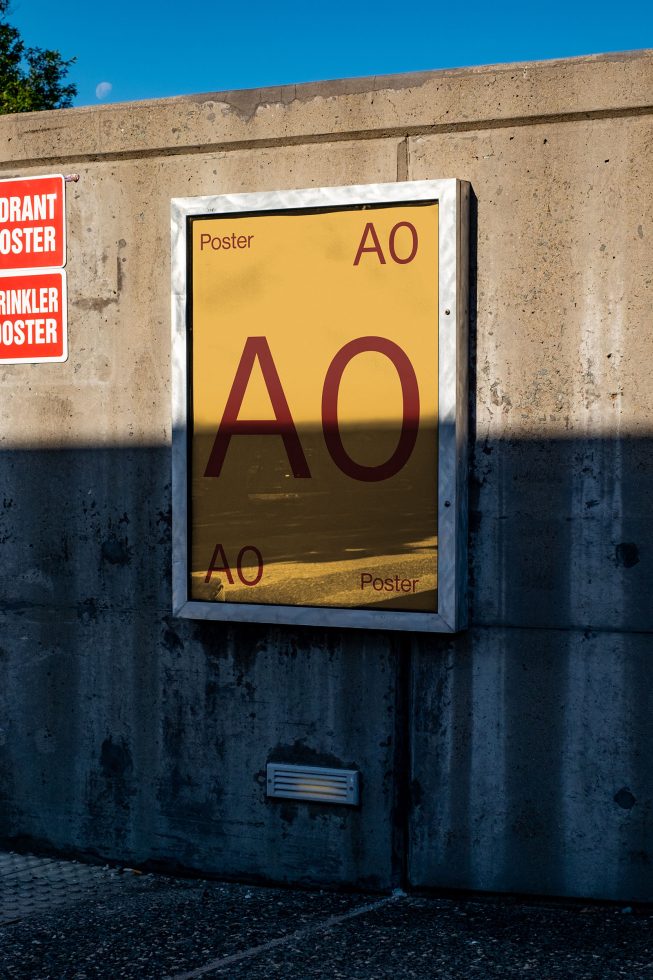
pixel 33 317
pixel 32 223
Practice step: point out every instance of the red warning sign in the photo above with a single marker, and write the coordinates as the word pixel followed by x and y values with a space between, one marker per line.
pixel 32 223
pixel 33 314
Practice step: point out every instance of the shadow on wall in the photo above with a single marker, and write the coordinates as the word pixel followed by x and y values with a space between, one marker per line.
pixel 136 736
pixel 532 734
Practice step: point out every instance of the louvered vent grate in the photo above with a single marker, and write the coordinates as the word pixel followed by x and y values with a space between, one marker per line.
pixel 313 783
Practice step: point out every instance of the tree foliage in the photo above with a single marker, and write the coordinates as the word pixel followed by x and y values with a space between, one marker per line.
pixel 30 78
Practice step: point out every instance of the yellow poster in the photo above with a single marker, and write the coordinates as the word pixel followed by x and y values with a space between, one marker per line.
pixel 314 397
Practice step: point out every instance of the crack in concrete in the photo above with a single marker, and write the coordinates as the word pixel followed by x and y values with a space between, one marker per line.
pixel 334 920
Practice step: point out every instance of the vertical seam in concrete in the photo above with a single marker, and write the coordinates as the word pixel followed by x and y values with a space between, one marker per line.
pixel 402 765
pixel 403 159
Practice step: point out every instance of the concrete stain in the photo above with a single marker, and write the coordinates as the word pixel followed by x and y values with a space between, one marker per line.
pixel 299 753
pixel 626 555
pixel 111 787
pixel 170 638
pixel 87 610
pixel 116 552
pixel 625 799
pixel 115 760
pixel 94 304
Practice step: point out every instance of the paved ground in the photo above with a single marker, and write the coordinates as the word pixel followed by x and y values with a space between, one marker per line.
pixel 68 920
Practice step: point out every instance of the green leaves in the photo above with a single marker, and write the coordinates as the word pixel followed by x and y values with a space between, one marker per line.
pixel 30 78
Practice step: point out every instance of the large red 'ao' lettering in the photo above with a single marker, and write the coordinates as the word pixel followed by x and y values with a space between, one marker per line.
pixel 284 426
pixel 370 232
pixel 410 421
pixel 220 556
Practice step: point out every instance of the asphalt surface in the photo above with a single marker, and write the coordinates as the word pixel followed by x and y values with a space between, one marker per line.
pixel 67 920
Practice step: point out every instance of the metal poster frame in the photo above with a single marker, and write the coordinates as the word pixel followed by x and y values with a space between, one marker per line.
pixel 452 197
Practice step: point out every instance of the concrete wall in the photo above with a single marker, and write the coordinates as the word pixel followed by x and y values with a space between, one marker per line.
pixel 517 756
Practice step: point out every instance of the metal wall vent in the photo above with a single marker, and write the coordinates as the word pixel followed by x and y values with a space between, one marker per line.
pixel 313 783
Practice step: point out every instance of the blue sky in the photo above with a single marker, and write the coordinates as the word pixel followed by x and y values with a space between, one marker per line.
pixel 144 49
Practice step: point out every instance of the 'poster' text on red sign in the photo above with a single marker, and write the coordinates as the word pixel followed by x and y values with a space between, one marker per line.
pixel 32 223
pixel 33 317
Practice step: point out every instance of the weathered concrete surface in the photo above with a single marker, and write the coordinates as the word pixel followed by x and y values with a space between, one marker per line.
pixel 531 762
pixel 131 735
pixel 563 468
pixel 527 742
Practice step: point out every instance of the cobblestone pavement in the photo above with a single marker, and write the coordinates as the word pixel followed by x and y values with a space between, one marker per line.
pixel 30 885
pixel 62 920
